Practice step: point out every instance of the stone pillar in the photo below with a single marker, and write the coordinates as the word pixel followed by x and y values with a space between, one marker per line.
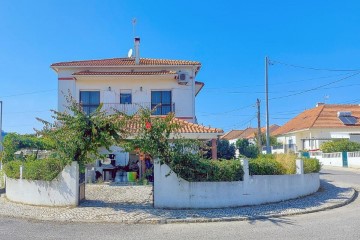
pixel 299 166
pixel 213 149
pixel 245 165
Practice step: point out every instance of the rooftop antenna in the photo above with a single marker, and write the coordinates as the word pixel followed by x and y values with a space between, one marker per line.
pixel 134 24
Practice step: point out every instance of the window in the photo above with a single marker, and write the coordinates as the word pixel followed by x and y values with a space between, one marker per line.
pixel 162 101
pixel 125 97
pixel 90 100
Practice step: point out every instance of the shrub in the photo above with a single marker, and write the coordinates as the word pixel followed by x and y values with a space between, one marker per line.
pixel 247 149
pixel 193 169
pixel 266 165
pixel 341 145
pixel 281 164
pixel 14 142
pixel 311 165
pixel 44 169
pixel 2 184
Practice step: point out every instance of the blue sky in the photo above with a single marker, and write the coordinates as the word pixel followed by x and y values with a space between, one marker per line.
pixel 229 38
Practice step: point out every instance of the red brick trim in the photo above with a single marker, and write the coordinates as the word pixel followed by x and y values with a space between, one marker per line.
pixel 66 78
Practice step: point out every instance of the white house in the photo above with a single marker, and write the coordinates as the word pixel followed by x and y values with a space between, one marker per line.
pixel 325 122
pixel 126 84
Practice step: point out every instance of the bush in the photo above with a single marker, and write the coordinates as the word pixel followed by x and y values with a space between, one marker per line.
pixel 277 164
pixel 341 145
pixel 44 169
pixel 311 165
pixel 193 169
pixel 14 142
pixel 266 165
pixel 2 184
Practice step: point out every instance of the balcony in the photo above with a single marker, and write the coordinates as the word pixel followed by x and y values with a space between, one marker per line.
pixel 132 108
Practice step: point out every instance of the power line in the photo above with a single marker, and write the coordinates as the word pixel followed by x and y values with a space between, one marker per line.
pixel 318 87
pixel 28 93
pixel 313 68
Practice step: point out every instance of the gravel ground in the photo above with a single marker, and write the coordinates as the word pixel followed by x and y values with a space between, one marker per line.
pixel 133 204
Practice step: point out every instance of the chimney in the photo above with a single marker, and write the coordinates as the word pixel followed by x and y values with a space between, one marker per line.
pixel 320 104
pixel 137 50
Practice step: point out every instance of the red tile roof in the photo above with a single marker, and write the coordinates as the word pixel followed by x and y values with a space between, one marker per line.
pixel 88 73
pixel 184 127
pixel 123 62
pixel 233 134
pixel 247 133
pixel 323 116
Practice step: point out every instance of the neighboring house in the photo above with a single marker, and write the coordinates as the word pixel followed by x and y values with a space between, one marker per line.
pixel 325 122
pixel 128 84
pixel 248 133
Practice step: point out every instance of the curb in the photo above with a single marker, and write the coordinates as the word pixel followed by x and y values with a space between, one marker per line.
pixel 353 196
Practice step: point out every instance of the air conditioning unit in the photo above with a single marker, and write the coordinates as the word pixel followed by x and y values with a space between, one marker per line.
pixel 183 78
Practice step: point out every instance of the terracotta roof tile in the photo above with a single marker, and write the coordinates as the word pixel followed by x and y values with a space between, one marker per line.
pixel 123 62
pixel 184 127
pixel 324 116
pixel 247 133
pixel 233 134
pixel 88 73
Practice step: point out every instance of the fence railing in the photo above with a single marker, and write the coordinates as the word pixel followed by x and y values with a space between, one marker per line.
pixel 331 155
pixel 132 108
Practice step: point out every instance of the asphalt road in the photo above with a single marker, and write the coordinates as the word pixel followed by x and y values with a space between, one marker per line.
pixel 341 223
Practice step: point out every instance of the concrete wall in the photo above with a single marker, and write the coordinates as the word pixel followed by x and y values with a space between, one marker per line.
pixel 354 159
pixel 62 191
pixel 173 192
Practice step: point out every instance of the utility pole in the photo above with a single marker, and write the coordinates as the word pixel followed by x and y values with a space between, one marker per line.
pixel 259 126
pixel 268 148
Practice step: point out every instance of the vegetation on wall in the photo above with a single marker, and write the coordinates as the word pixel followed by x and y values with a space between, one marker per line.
pixel 13 142
pixel 44 169
pixel 278 164
pixel 341 145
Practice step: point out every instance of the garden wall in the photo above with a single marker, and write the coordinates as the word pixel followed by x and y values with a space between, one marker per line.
pixel 173 192
pixel 62 191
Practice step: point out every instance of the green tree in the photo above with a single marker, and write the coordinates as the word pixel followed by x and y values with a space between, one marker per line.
pixel 225 150
pixel 246 148
pixel 78 136
pixel 340 145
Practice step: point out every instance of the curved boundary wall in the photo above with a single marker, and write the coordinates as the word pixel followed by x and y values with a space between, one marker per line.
pixel 176 193
pixel 62 191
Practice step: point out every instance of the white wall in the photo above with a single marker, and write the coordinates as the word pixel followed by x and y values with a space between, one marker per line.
pixel 182 95
pixel 62 191
pixel 354 159
pixel 173 192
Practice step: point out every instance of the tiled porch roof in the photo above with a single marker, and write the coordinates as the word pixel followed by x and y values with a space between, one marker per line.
pixel 184 127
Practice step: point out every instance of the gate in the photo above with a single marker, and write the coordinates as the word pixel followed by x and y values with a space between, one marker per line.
pixel 345 159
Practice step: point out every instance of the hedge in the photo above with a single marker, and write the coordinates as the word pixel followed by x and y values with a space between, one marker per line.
pixel 193 169
pixel 44 169
pixel 278 164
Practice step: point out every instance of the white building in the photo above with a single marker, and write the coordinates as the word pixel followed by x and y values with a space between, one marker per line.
pixel 325 122
pixel 126 84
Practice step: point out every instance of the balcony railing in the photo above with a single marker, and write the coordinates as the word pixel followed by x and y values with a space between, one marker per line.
pixel 132 108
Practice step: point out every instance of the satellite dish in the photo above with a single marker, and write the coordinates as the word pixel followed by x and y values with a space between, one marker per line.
pixel 130 53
